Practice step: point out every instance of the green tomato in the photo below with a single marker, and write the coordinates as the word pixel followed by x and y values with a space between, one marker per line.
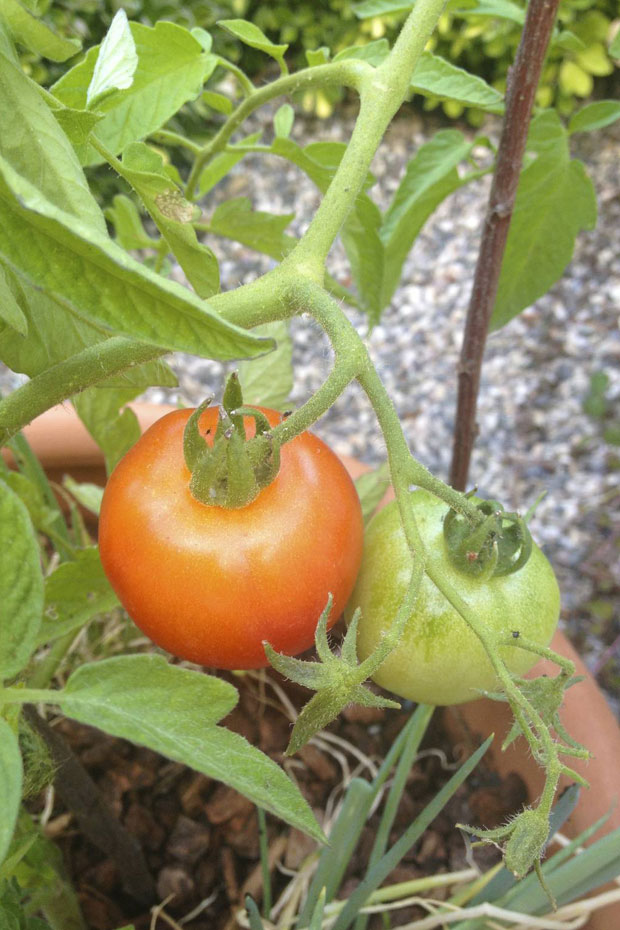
pixel 439 659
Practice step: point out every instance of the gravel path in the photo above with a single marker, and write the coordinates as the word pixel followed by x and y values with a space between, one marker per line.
pixel 534 435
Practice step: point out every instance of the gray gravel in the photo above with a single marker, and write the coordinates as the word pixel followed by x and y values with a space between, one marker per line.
pixel 534 436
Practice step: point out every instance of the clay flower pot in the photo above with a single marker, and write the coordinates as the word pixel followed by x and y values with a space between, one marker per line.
pixel 64 447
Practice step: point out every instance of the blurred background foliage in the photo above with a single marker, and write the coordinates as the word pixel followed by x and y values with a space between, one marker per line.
pixel 478 35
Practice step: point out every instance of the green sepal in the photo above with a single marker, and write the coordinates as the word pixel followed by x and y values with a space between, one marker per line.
pixel 230 470
pixel 500 544
pixel 338 681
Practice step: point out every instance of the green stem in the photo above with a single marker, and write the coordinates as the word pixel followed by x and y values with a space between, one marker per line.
pixel 28 696
pixel 166 137
pixel 245 83
pixel 348 73
pixel 382 92
pixel 75 374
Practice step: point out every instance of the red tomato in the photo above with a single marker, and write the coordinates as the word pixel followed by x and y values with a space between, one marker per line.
pixel 210 584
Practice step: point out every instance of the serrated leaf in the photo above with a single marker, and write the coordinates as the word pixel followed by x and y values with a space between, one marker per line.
pixel 10 311
pixel 268 381
pixel 223 162
pixel 283 120
pixel 555 200
pixel 595 116
pixel 430 177
pixel 250 34
pixel 10 785
pixel 35 34
pixel 116 62
pixel 144 170
pixel 373 52
pixel 218 102
pixel 436 77
pixel 102 284
pixel 35 146
pixel 262 231
pixel 172 68
pixel 21 585
pixel 74 593
pixel 174 711
pixel 371 8
pixel 31 495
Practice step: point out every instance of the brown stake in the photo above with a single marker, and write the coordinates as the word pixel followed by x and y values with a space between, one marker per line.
pixel 78 791
pixel 522 83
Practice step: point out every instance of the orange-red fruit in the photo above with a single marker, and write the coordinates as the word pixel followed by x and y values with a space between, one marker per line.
pixel 211 584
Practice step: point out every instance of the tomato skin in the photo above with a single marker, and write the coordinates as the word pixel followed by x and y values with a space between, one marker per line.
pixel 210 584
pixel 440 660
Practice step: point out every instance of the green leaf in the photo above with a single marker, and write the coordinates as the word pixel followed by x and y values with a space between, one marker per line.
pixel 498 9
pixel 201 35
pixel 595 116
pixel 128 228
pixel 35 34
pixel 371 488
pixel 371 8
pixel 112 424
pixel 223 162
pixel 99 282
pixel 614 45
pixel 144 170
pixel 361 238
pixel 318 56
pixel 218 102
pixel 10 311
pixel 35 146
pixel 10 785
pixel 55 334
pixel 373 52
pixel 555 200
pixel 77 125
pixel 436 77
pixel 283 120
pixel 262 231
pixel 430 177
pixel 87 494
pixel 568 40
pixel 174 711
pixel 251 35
pixel 21 585
pixel 268 381
pixel 31 495
pixel 172 68
pixel 74 593
pixel 116 62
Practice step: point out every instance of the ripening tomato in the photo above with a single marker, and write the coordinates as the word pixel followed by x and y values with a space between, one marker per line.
pixel 439 659
pixel 210 584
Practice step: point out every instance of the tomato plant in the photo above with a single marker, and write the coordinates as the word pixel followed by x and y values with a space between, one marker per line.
pixel 439 659
pixel 210 583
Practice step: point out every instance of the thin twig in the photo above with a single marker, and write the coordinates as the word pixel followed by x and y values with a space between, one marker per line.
pixel 522 83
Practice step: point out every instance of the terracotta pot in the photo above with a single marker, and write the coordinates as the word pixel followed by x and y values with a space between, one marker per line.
pixel 64 447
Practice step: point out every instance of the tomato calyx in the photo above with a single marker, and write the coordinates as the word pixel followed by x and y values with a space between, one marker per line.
pixel 231 470
pixel 500 544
